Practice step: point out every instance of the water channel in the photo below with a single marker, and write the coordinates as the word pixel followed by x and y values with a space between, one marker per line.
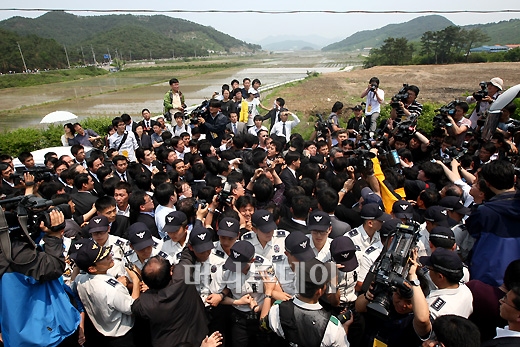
pixel 118 93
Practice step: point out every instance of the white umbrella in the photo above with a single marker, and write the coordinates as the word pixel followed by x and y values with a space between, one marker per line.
pixel 58 116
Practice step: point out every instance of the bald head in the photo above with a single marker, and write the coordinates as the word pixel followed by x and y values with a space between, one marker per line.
pixel 156 273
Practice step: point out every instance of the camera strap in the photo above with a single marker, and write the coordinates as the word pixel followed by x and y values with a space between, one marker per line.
pixel 122 141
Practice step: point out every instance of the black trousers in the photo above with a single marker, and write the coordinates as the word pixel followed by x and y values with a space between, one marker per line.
pixel 93 338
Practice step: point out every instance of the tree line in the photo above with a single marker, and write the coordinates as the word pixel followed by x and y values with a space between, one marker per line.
pixel 447 46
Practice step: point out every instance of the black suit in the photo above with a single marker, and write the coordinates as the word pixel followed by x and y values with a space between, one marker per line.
pixel 119 226
pixel 150 223
pixel 196 186
pixel 148 130
pixel 98 186
pixel 145 141
pixel 286 223
pixel 288 179
pixel 83 202
pixel 127 176
pixel 274 116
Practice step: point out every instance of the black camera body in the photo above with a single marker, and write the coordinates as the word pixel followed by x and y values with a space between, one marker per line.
pixel 39 173
pixel 225 197
pixel 321 126
pixel 373 87
pixel 389 272
pixel 441 119
pixel 482 93
pixel 200 111
pixel 402 95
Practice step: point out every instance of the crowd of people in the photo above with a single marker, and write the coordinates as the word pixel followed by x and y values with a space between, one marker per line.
pixel 226 227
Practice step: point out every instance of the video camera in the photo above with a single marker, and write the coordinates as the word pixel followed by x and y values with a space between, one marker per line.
pixel 200 111
pixel 441 119
pixel 402 96
pixel 28 212
pixel 390 270
pixel 225 197
pixel 39 173
pixel 482 93
pixel 321 126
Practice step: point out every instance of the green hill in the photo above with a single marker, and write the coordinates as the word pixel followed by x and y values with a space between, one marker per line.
pixel 411 30
pixel 139 35
pixel 501 33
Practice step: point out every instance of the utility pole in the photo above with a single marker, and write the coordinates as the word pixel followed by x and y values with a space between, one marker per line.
pixel 83 55
pixel 130 55
pixel 195 53
pixel 117 57
pixel 23 60
pixel 67 55
pixel 173 54
pixel 109 56
pixel 151 55
pixel 93 54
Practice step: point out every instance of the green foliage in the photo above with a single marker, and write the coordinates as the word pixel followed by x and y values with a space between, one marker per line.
pixel 30 139
pixel 394 51
pixel 411 30
pixel 45 77
pixel 135 37
pixel 500 33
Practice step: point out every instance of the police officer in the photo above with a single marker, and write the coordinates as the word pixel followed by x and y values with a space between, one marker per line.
pixel 302 321
pixel 267 241
pixel 176 228
pixel 320 227
pixel 343 252
pixel 143 245
pixel 107 301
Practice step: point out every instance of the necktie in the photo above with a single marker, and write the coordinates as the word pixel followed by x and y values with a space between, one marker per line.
pixel 283 129
pixel 147 124
pixel 234 128
pixel 123 177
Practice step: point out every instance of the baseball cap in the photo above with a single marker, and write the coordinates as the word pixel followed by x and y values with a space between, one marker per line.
pixel 357 108
pixel 318 220
pixel 201 239
pixel 228 227
pixel 98 223
pixel 299 246
pixel 372 211
pixel 369 197
pixel 436 214
pixel 389 227
pixel 343 251
pixel 444 261
pixel 442 237
pixel 88 253
pixel 252 91
pixel 140 236
pixel 263 221
pixel 453 203
pixel 241 254
pixel 497 82
pixel 402 209
pixel 173 221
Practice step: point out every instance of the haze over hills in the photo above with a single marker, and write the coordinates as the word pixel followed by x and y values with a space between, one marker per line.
pixel 144 36
pixel 503 32
pixel 291 42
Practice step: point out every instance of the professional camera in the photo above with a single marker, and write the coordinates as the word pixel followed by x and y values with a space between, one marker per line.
pixel 482 93
pixel 321 126
pixel 513 126
pixel 390 270
pixel 441 119
pixel 39 173
pixel 225 197
pixel 453 153
pixel 27 213
pixel 200 111
pixel 402 95
pixel 202 203
pixel 373 87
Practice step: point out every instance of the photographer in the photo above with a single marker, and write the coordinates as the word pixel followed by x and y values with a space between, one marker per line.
pixel 35 309
pixel 409 315
pixel 410 107
pixel 213 124
pixel 489 92
pixel 459 123
pixel 375 97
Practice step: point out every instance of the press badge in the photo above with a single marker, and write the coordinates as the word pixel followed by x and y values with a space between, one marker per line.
pixel 378 343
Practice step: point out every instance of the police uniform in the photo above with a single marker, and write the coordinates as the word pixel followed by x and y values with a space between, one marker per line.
pixel 218 256
pixel 240 284
pixel 285 275
pixel 368 258
pixel 334 332
pixel 119 247
pixel 131 255
pixel 322 255
pixel 107 303
pixel 172 250
pixel 273 250
pixel 203 278
pixel 361 240
pixel 458 301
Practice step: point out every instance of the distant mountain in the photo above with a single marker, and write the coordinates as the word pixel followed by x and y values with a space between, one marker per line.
pixel 159 36
pixel 411 30
pixel 501 33
pixel 290 45
pixel 314 40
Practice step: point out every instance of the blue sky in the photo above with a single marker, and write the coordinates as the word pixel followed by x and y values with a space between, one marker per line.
pixel 255 27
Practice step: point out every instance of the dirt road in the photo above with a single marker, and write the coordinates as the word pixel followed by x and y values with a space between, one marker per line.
pixel 437 83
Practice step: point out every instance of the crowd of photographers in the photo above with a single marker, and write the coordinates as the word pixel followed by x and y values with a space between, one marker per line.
pixel 215 230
